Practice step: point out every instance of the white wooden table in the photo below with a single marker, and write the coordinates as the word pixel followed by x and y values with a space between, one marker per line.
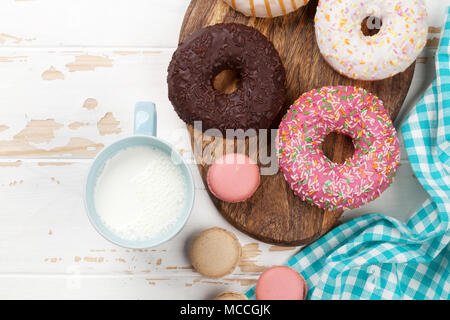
pixel 70 74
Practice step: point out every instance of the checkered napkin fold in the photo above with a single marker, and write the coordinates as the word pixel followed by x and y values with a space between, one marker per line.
pixel 378 257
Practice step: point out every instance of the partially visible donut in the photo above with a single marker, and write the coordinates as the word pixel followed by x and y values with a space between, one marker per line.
pixel 392 50
pixel 316 179
pixel 208 52
pixel 266 8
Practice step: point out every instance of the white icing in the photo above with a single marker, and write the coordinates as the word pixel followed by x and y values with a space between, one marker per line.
pixel 392 50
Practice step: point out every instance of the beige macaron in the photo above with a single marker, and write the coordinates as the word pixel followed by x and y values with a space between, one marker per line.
pixel 215 252
pixel 231 296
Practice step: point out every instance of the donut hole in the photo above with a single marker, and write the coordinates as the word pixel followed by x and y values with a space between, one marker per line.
pixel 371 25
pixel 227 81
pixel 338 147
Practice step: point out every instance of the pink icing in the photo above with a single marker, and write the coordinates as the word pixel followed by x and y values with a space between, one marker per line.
pixel 233 177
pixel 346 110
pixel 280 283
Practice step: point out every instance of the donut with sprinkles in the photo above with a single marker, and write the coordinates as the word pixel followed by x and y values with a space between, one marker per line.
pixel 401 37
pixel 266 8
pixel 311 175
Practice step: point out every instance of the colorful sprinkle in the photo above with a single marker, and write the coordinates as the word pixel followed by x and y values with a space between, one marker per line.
pixel 311 174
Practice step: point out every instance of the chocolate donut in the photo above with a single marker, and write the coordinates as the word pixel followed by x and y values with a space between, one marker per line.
pixel 209 51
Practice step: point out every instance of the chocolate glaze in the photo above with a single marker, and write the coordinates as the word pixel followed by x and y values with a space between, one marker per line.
pixel 231 46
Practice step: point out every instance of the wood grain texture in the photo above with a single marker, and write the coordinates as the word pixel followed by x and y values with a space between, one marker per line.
pixel 274 214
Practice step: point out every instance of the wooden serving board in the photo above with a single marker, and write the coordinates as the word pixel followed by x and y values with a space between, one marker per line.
pixel 274 214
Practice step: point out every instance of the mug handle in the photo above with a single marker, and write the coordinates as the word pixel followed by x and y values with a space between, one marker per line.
pixel 145 118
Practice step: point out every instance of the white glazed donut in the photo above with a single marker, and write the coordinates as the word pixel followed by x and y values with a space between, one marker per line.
pixel 266 8
pixel 393 49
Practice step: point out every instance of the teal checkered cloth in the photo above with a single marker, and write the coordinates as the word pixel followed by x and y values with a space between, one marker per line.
pixel 378 257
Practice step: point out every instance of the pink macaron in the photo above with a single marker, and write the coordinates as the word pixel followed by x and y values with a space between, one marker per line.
pixel 233 177
pixel 281 283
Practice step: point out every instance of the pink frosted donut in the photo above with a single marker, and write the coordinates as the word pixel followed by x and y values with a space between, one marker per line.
pixel 345 110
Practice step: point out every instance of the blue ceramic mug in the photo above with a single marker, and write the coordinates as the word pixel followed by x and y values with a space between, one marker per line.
pixel 144 135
